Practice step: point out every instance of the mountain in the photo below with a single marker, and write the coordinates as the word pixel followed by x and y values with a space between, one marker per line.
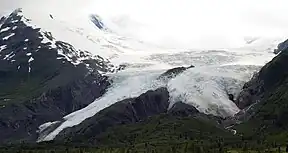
pixel 69 83
pixel 42 79
pixel 265 101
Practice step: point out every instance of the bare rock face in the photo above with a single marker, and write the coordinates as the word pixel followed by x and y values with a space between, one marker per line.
pixel 265 101
pixel 264 82
pixel 252 91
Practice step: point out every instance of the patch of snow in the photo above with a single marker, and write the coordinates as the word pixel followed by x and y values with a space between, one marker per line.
pixel 29 69
pixel 4 29
pixel 14 21
pixel 59 58
pixel 18 67
pixel 234 131
pixel 28 54
pixel 25 48
pixel 9 56
pixel 30 59
pixel 15 27
pixel 7 37
pixel 3 47
pixel 26 40
pixel 13 60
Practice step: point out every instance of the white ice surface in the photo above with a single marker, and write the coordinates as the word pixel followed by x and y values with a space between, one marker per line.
pixel 207 88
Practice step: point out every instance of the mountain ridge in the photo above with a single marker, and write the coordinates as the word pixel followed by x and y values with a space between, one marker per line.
pixel 42 79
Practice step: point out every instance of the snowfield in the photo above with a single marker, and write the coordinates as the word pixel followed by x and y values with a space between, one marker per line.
pixel 217 73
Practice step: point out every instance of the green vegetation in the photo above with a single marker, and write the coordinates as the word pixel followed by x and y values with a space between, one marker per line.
pixel 165 129
pixel 188 147
pixel 160 134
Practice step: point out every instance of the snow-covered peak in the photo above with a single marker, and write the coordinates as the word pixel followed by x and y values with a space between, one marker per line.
pixel 82 34
pixel 20 36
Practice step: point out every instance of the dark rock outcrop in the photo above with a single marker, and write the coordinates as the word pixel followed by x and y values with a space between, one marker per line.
pixel 97 22
pixel 282 46
pixel 182 109
pixel 264 82
pixel 171 73
pixel 265 101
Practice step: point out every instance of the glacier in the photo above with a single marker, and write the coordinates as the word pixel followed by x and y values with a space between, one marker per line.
pixel 206 87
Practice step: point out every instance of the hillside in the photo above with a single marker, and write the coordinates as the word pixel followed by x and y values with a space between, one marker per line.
pixel 267 91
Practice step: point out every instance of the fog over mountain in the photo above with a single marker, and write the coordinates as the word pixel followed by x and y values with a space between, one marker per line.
pixel 180 24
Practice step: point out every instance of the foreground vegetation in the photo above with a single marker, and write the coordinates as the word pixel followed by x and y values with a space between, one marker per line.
pixel 187 147
pixel 161 134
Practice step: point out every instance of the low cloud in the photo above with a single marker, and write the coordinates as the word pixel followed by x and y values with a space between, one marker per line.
pixel 176 23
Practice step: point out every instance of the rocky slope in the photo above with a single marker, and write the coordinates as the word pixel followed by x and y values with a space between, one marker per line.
pixel 266 97
pixel 270 77
pixel 42 79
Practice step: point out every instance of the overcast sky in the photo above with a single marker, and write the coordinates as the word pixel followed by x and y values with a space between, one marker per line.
pixel 214 23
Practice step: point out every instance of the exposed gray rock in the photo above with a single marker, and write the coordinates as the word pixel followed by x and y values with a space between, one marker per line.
pixel 171 73
pixel 282 46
